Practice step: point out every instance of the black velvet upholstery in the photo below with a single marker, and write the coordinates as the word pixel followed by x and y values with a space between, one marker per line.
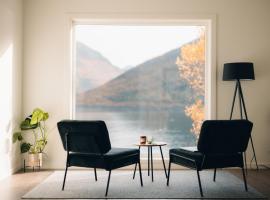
pixel 200 161
pixel 85 136
pixel 224 136
pixel 114 158
pixel 119 157
pixel 221 144
pixel 186 158
pixel 88 145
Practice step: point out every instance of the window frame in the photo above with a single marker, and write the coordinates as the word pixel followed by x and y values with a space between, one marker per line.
pixel 209 21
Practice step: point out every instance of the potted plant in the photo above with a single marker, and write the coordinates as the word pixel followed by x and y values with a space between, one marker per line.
pixel 35 124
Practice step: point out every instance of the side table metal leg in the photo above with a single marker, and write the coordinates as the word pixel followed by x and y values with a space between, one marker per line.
pixel 148 160
pixel 163 161
pixel 152 171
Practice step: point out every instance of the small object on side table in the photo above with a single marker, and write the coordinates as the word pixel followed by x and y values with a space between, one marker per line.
pixel 143 139
pixel 150 140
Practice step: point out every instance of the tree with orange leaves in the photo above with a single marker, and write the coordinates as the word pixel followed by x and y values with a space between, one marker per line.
pixel 191 64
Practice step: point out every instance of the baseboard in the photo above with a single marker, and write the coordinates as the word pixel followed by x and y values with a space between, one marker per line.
pixel 16 168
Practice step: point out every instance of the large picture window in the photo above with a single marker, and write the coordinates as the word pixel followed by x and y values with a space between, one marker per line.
pixel 141 80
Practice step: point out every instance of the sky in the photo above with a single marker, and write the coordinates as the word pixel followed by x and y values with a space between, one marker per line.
pixel 128 46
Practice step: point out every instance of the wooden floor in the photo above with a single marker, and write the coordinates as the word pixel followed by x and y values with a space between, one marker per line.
pixel 258 179
pixel 15 186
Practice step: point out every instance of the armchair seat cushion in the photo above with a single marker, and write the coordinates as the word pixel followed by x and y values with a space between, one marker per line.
pixel 86 160
pixel 198 160
pixel 187 158
pixel 119 157
pixel 116 153
pixel 114 158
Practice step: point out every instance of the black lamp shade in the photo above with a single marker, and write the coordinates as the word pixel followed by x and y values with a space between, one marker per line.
pixel 238 71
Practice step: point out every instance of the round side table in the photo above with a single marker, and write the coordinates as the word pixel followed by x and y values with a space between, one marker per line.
pixel 150 157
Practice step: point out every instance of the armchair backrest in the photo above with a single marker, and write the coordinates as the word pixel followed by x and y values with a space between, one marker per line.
pixel 224 136
pixel 84 136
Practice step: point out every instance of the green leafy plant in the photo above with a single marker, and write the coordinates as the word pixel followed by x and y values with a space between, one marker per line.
pixel 34 123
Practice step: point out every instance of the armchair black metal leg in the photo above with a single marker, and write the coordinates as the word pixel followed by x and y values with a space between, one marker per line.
pixel 169 172
pixel 244 177
pixel 164 166
pixel 134 171
pixel 108 182
pixel 215 172
pixel 140 170
pixel 136 164
pixel 95 170
pixel 64 181
pixel 199 180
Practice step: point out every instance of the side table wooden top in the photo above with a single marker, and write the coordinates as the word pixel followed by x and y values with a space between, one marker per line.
pixel 151 145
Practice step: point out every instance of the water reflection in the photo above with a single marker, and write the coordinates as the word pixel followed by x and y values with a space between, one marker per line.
pixel 125 127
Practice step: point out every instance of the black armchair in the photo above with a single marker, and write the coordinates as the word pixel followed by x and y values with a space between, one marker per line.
pixel 221 144
pixel 88 145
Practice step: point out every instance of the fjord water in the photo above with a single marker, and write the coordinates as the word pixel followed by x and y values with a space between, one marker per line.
pixel 126 127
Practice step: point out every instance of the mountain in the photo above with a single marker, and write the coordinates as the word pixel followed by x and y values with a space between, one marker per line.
pixel 154 84
pixel 126 68
pixel 92 69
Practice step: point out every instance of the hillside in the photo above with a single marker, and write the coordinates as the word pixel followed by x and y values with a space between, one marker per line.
pixel 154 84
pixel 92 69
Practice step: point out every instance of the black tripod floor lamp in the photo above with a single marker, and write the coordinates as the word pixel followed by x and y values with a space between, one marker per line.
pixel 236 72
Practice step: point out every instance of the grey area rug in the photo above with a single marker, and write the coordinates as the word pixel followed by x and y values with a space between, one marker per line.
pixel 183 185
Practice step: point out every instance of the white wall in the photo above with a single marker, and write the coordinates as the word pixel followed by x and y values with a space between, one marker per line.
pixel 10 82
pixel 243 32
